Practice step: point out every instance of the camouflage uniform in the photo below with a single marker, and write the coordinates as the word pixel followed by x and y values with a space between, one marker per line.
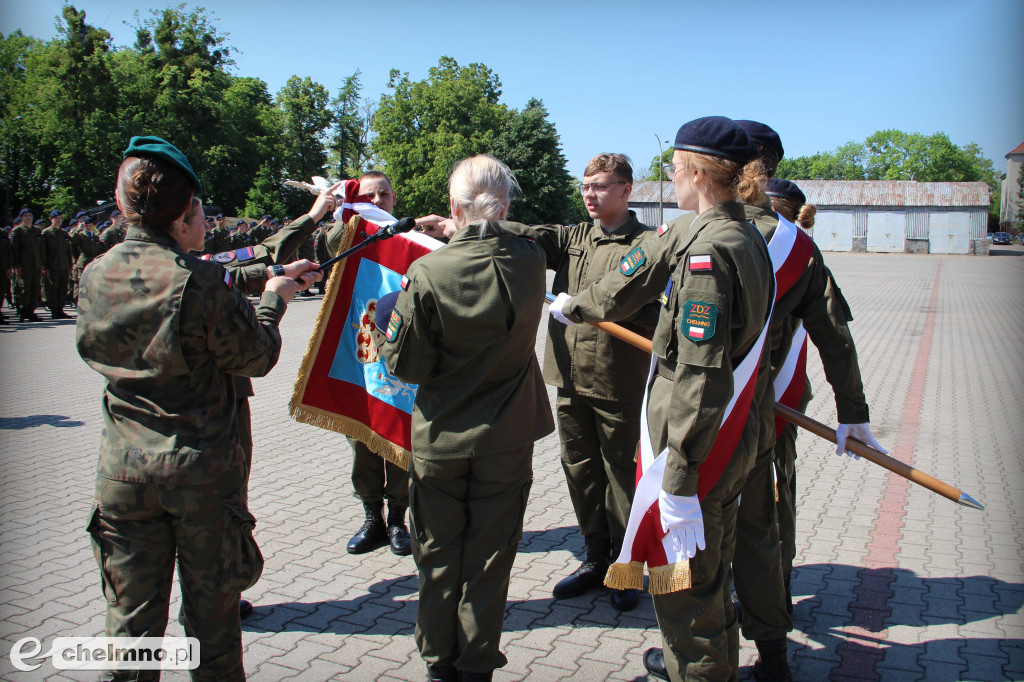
pixel 167 331
pixel 464 330
pixel 27 257
pixel 55 248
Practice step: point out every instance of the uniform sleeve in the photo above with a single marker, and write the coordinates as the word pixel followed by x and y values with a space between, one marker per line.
pixel 409 344
pixel 552 240
pixel 704 315
pixel 338 235
pixel 240 339
pixel 826 315
pixel 618 296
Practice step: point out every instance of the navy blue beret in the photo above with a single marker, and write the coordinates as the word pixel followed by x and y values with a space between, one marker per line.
pixel 385 304
pixel 86 220
pixel 784 189
pixel 161 149
pixel 115 213
pixel 23 212
pixel 764 136
pixel 54 213
pixel 266 217
pixel 717 136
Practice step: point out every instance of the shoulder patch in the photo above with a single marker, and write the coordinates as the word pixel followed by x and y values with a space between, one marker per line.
pixel 222 258
pixel 228 281
pixel 394 324
pixel 633 260
pixel 245 253
pixel 699 318
pixel 405 282
pixel 663 229
pixel 668 290
pixel 700 262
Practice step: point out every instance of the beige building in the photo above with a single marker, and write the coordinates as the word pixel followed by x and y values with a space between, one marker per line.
pixel 895 216
pixel 1010 204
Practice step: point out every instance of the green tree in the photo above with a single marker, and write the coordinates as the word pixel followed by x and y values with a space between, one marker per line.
pixel 424 127
pixel 266 196
pixel 306 118
pixel 349 147
pixel 1018 218
pixel 528 143
pixel 250 140
pixel 654 170
pixel 845 163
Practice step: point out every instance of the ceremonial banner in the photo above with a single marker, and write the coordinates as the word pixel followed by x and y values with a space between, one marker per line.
pixel 343 383
pixel 646 541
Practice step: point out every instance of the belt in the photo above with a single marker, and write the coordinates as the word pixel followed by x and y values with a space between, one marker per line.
pixel 666 369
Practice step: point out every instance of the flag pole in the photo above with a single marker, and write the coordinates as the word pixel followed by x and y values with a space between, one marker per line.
pixel 817 428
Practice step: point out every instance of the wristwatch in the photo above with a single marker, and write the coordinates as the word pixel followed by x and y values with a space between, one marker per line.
pixel 277 270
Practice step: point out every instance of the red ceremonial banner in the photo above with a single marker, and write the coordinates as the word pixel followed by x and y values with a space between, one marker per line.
pixel 343 383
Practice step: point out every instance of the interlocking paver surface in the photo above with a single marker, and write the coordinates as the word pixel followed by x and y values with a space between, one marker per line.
pixel 892 581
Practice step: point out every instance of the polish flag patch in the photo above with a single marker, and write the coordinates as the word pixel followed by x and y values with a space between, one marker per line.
pixel 228 282
pixel 663 229
pixel 405 282
pixel 696 333
pixel 700 262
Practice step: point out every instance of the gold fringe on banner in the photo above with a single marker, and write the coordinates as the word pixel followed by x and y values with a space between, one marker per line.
pixel 664 579
pixel 323 419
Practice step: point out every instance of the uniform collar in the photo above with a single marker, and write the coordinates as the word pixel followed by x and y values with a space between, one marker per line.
pixel 624 232
pixel 472 231
pixel 143 233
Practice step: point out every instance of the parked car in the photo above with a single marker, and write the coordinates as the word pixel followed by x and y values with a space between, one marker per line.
pixel 1001 238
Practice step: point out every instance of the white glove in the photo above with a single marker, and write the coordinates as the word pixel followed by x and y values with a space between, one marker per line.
pixel 861 432
pixel 681 518
pixel 556 309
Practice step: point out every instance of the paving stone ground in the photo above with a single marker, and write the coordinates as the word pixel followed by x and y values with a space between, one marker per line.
pixel 892 581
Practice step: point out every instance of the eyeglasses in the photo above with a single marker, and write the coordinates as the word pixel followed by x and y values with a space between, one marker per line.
pixel 671 168
pixel 598 187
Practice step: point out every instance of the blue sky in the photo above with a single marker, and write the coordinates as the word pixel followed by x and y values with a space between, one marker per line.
pixel 613 75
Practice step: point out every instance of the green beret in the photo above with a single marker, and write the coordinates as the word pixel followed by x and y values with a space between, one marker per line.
pixel 162 149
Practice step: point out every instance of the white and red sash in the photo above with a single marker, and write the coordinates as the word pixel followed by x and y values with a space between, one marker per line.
pixel 646 541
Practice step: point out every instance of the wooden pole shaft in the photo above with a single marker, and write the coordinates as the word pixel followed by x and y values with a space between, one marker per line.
pixel 817 428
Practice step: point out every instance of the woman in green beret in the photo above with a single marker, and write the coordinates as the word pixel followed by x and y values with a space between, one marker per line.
pixel 167 330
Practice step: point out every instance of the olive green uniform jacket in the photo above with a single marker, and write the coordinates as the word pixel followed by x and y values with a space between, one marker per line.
pixel 55 247
pixel 465 330
pixel 27 256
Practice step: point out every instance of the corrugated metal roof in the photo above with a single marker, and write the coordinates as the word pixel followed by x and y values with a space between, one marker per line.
pixel 859 193
pixel 894 193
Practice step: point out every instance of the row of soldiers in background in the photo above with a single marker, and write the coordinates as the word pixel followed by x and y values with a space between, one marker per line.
pixel 43 263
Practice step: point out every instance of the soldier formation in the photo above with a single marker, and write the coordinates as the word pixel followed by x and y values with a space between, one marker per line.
pixel 709 287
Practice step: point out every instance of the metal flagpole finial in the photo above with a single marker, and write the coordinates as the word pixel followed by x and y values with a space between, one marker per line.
pixel 968 501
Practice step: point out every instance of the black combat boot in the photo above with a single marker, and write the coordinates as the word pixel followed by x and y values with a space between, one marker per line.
pixel 654 661
pixel 622 600
pixel 398 534
pixel 772 664
pixel 590 575
pixel 372 534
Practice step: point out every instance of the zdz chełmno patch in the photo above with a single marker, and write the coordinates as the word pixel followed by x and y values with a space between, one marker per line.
pixel 699 319
pixel 394 324
pixel 633 260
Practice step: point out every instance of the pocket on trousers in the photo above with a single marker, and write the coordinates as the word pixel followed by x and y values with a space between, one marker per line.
pixel 101 550
pixel 243 561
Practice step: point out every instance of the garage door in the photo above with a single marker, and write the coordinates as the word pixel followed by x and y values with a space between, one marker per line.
pixel 833 230
pixel 886 232
pixel 948 232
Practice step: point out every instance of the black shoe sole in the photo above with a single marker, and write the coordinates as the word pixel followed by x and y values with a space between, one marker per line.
pixel 367 549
